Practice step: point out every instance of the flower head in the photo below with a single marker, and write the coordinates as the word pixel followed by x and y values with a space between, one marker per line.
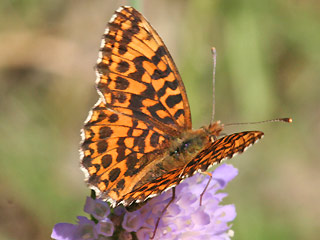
pixel 185 218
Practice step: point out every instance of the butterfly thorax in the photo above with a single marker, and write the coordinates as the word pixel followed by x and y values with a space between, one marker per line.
pixel 184 148
pixel 190 143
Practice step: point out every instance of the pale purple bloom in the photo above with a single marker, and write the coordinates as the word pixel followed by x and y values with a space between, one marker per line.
pixel 97 208
pixel 183 219
pixel 85 229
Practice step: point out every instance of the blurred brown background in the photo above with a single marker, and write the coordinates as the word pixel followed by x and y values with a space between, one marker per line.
pixel 268 66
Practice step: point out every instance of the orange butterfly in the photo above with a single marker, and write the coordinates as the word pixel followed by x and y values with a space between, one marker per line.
pixel 138 140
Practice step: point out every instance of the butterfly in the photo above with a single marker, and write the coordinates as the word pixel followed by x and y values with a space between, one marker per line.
pixel 138 141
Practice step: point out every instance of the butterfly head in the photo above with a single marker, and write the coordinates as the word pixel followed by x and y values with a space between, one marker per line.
pixel 214 129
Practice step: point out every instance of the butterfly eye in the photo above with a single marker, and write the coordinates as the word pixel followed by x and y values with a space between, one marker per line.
pixel 185 145
pixel 175 152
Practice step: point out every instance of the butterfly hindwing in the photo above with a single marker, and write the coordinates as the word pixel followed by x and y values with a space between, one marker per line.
pixel 222 148
pixel 114 148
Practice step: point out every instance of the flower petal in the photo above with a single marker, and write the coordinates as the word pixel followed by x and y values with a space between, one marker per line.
pixel 105 227
pixel 97 208
pixel 224 174
pixel 132 221
pixel 63 231
pixel 200 217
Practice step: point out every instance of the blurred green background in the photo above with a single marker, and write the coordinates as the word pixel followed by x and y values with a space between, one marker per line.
pixel 268 66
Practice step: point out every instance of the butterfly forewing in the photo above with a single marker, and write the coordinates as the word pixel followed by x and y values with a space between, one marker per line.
pixel 138 76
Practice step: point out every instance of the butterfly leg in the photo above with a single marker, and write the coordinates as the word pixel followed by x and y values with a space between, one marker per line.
pixel 205 189
pixel 163 211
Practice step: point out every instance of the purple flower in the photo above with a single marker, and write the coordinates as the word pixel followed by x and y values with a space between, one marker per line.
pixel 87 229
pixel 185 218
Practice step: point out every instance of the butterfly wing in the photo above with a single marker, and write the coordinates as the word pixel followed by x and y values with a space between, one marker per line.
pixel 137 75
pixel 222 148
pixel 143 105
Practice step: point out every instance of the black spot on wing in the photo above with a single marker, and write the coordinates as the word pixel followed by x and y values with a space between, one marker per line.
pixel 102 146
pixel 173 100
pixel 122 49
pixel 106 160
pixel 113 118
pixel 114 174
pixel 121 83
pixel 132 161
pixel 105 132
pixel 123 66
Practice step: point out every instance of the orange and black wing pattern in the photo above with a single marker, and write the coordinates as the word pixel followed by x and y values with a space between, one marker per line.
pixel 142 105
pixel 137 75
pixel 221 149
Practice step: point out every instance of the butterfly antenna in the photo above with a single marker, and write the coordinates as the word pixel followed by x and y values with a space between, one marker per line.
pixel 287 120
pixel 214 57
